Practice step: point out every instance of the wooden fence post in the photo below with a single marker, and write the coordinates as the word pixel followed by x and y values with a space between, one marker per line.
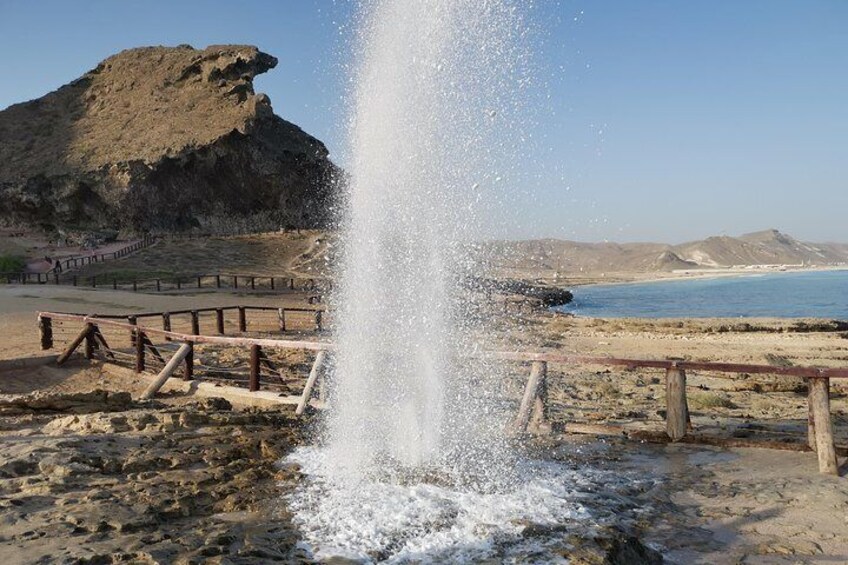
pixel 820 406
pixel 235 281
pixel 318 320
pixel 167 371
pixel 195 323
pixel 166 323
pixel 133 321
pixel 45 329
pixel 139 351
pixel 158 285
pixel 219 320
pixel 252 283
pixel 323 389
pixel 217 281
pixel 272 283
pixel 253 382
pixel 310 382
pixel 242 319
pixel 188 374
pixel 677 409
pixel 89 344
pixel 533 402
pixel 811 420
pixel 199 285
pixel 281 316
pixel 74 344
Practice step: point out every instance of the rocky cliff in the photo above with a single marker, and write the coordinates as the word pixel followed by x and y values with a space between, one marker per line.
pixel 161 138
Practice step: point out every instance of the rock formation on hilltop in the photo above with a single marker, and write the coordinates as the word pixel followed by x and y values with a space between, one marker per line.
pixel 161 138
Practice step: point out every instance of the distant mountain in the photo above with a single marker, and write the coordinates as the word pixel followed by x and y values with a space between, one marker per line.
pixel 768 247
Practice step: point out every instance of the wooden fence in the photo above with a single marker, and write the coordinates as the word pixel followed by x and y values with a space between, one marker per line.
pixel 83 260
pixel 76 262
pixel 146 353
pixel 533 410
pixel 218 281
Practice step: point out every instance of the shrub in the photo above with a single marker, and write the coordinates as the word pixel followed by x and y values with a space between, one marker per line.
pixel 12 264
pixel 709 400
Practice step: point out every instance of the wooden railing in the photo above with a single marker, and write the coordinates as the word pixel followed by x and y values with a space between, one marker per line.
pixel 218 281
pixel 532 412
pixel 75 262
pixel 146 344
pixel 83 260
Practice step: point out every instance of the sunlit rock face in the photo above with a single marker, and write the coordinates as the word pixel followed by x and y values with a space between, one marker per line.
pixel 162 137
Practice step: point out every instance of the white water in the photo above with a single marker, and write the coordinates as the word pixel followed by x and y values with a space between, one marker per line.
pixel 436 87
pixel 413 464
pixel 421 522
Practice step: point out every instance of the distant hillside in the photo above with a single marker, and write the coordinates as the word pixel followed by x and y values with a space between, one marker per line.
pixel 769 247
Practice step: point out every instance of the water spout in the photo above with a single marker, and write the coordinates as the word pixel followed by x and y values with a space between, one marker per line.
pixel 431 95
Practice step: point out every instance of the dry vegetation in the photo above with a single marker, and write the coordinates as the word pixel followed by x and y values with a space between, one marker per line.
pixel 286 254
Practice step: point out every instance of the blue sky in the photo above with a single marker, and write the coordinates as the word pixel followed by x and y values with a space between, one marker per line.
pixel 667 120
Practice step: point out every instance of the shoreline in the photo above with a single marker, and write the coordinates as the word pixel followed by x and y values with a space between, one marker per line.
pixel 766 294
pixel 629 278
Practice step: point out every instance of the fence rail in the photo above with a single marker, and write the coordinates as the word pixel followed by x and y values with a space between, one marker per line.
pixel 217 281
pixel 533 408
pixel 83 260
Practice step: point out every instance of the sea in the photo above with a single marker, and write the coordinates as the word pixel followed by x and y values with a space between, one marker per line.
pixel 817 294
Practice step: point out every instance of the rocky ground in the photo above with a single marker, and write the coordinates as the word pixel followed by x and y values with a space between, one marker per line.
pixel 728 506
pixel 727 405
pixel 88 475
pixel 95 478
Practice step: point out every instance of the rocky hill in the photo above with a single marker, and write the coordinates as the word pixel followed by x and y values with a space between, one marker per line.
pixel 161 138
pixel 769 247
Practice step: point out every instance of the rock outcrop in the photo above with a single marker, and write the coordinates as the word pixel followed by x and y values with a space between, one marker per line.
pixel 161 138
pixel 197 483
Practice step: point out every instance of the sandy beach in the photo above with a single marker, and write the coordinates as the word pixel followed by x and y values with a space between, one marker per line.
pixel 627 277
